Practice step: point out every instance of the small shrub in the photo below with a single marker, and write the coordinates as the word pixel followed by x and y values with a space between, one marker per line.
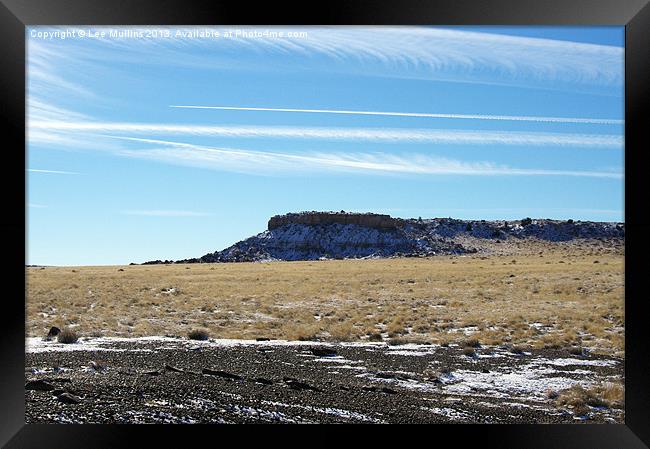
pixel 67 336
pixel 526 221
pixel 375 336
pixel 604 395
pixel 198 334
pixel 472 343
pixel 517 349
pixel 469 351
pixel 551 394
pixel 576 350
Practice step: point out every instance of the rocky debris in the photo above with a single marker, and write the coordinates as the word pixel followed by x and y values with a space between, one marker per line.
pixel 39 385
pixel 152 373
pixel 330 235
pixel 261 380
pixel 375 389
pixel 173 369
pixel 97 365
pixel 224 374
pixel 68 398
pixel 466 394
pixel 61 380
pixel 323 352
pixel 54 331
pixel 389 375
pixel 296 384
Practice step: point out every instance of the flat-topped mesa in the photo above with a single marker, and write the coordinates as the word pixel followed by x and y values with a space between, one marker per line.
pixel 322 218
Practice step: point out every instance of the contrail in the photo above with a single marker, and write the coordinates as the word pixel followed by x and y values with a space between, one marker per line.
pixel 58 172
pixel 517 118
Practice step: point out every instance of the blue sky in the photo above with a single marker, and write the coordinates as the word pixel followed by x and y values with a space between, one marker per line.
pixel 467 122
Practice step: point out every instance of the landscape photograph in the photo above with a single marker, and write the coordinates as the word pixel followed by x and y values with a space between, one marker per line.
pixel 343 224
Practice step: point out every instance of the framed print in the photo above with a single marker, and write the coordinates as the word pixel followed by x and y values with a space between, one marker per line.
pixel 358 214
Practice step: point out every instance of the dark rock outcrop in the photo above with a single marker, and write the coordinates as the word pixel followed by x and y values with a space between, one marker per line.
pixel 368 220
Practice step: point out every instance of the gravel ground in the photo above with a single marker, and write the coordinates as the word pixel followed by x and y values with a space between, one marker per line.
pixel 169 380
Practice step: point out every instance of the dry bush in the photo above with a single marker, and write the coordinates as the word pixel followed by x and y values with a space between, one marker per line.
pixel 375 336
pixel 576 350
pixel 408 339
pixel 551 394
pixel 343 331
pixel 610 395
pixel 518 349
pixel 472 343
pixel 469 351
pixel 67 336
pixel 198 334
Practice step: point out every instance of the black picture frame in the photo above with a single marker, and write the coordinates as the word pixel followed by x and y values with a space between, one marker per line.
pixel 15 15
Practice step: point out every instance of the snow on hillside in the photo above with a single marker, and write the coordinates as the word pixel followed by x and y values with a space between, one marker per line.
pixel 297 241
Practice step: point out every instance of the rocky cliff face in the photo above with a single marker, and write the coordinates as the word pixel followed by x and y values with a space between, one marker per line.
pixel 318 235
pixel 376 221
pixel 296 241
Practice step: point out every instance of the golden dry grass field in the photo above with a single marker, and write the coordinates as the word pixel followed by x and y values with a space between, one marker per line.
pixel 553 295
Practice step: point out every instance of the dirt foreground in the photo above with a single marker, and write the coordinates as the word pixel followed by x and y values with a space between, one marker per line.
pixel 166 380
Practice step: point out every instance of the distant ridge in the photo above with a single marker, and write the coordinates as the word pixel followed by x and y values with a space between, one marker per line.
pixel 343 235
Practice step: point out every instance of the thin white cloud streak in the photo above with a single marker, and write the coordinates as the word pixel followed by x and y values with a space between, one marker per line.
pixel 516 118
pixel 348 134
pixel 261 162
pixel 165 213
pixel 36 206
pixel 56 172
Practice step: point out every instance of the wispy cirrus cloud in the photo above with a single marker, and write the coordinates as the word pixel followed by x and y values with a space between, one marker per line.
pixel 45 63
pixel 271 163
pixel 407 52
pixel 444 136
pixel 515 118
pixel 165 213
